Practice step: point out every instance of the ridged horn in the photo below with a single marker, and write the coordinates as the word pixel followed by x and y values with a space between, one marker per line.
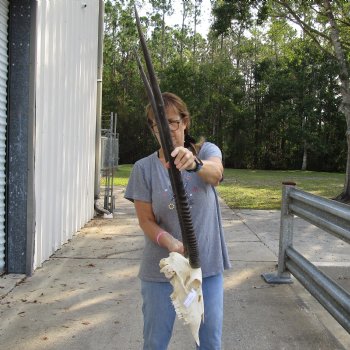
pixel 155 98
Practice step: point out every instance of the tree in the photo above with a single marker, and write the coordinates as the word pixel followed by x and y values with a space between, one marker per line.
pixel 186 11
pixel 260 96
pixel 163 8
pixel 325 22
pixel 123 92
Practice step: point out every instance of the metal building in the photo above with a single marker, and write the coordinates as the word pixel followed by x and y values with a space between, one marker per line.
pixel 51 116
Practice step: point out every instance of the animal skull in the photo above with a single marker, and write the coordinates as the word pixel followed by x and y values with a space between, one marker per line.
pixel 187 296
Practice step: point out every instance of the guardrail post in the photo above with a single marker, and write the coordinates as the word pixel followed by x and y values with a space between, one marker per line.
pixel 283 276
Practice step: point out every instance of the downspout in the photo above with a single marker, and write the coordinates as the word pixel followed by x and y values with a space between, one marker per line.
pixel 97 188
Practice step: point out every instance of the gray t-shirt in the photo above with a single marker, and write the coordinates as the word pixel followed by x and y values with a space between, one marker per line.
pixel 149 182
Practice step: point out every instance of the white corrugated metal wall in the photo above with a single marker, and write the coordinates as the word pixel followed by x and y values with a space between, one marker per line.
pixel 67 38
pixel 4 6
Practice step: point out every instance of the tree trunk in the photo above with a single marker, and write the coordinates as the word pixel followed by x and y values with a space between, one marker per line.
pixel 344 77
pixel 163 40
pixel 184 10
pixel 194 31
pixel 304 165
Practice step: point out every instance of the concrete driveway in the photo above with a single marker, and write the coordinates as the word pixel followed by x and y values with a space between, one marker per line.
pixel 86 296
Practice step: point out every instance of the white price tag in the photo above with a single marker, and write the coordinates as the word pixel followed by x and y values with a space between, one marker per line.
pixel 190 297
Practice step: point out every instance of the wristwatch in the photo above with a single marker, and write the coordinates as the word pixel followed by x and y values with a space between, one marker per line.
pixel 198 167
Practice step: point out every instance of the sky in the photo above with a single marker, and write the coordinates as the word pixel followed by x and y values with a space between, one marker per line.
pixel 202 27
pixel 176 18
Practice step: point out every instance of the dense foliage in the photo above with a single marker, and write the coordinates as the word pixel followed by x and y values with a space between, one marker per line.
pixel 268 96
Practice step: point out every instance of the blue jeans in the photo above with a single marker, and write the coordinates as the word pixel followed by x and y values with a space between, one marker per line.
pixel 159 314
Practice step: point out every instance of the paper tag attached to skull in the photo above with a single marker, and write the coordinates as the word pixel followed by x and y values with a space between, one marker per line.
pixel 190 298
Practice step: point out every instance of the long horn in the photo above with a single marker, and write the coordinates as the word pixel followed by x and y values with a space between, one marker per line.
pixel 156 100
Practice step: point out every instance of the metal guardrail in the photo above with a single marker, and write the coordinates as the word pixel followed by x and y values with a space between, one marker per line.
pixel 331 216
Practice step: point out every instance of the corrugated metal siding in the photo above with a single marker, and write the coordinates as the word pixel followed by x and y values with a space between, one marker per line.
pixel 4 5
pixel 67 37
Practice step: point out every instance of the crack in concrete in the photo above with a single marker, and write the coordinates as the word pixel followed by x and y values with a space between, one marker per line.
pixel 257 236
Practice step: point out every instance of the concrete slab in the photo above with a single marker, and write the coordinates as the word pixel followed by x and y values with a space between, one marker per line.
pixel 102 246
pixel 312 242
pixel 236 231
pixel 87 295
pixel 250 251
pixel 8 282
pixel 265 317
pixel 74 304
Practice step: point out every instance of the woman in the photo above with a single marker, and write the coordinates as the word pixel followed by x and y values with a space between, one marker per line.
pixel 150 189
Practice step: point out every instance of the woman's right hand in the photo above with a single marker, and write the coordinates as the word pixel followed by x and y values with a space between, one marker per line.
pixel 176 246
pixel 171 243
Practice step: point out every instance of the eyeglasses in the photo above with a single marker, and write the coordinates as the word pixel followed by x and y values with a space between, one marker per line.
pixel 173 125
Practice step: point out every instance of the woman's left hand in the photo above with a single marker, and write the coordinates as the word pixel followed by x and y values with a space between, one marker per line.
pixel 184 158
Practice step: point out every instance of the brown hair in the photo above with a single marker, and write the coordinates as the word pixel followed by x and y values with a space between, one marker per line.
pixel 173 101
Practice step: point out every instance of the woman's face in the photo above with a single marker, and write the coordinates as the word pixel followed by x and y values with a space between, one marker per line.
pixel 177 127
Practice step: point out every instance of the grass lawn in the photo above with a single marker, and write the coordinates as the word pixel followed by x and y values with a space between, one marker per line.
pixel 261 189
pixel 121 175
